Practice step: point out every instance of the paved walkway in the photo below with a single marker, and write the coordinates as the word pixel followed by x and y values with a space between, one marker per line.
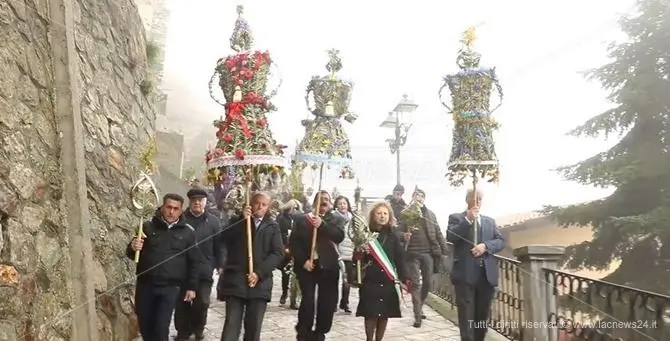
pixel 280 321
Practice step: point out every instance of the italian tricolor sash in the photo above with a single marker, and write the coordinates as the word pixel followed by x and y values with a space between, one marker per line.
pixel 377 252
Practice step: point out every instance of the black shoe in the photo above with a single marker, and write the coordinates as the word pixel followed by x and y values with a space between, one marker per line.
pixel 423 317
pixel 293 306
pixel 199 337
pixel 346 309
pixel 417 324
pixel 282 300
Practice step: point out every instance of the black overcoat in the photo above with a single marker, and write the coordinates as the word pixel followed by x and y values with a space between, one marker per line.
pixel 268 253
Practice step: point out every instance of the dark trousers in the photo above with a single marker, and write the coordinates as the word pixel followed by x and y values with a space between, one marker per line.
pixel 285 280
pixel 420 268
pixel 474 303
pixel 191 317
pixel 326 301
pixel 249 312
pixel 346 286
pixel 154 306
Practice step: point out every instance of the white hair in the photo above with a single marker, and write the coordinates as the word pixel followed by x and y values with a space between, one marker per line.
pixel 260 194
pixel 479 194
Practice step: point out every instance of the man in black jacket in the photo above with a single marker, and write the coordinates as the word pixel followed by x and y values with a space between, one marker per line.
pixel 323 271
pixel 191 317
pixel 247 294
pixel 397 202
pixel 168 260
pixel 424 247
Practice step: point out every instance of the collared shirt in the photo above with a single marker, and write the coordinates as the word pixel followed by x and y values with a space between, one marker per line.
pixel 257 222
pixel 479 220
pixel 170 225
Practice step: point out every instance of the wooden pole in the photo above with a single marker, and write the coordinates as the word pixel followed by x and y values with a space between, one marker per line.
pixel 316 213
pixel 250 250
pixel 140 233
pixel 359 276
pixel 474 199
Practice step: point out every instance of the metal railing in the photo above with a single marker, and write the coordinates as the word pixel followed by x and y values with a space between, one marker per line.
pixel 507 306
pixel 589 309
pixel 567 307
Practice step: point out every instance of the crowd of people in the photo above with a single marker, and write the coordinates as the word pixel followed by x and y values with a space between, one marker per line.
pixel 181 249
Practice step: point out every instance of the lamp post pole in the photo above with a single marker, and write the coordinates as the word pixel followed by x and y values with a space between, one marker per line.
pixel 397 148
pixel 400 129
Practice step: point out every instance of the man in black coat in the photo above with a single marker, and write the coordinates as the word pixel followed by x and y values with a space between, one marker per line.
pixel 191 317
pixel 247 294
pixel 323 271
pixel 168 260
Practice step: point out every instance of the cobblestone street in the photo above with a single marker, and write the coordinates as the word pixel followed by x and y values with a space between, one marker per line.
pixel 280 321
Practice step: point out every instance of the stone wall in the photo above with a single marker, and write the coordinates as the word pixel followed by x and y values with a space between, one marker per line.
pixel 118 120
pixel 155 16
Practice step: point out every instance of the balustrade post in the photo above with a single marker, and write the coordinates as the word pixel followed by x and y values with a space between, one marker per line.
pixel 538 300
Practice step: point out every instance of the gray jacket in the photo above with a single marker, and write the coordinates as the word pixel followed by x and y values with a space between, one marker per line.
pixel 346 247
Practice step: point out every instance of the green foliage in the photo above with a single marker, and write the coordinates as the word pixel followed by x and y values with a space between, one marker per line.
pixel 189 173
pixel 638 212
pixel 153 54
pixel 146 87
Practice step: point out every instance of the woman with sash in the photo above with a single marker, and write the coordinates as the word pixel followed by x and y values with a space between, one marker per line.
pixel 385 274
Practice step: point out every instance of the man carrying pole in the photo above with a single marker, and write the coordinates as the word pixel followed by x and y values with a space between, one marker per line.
pixel 475 237
pixel 317 267
pixel 314 241
pixel 247 295
pixel 246 157
pixel 168 259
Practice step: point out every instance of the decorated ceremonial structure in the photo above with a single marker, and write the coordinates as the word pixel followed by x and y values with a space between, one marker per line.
pixel 245 153
pixel 473 146
pixel 246 157
pixel 325 141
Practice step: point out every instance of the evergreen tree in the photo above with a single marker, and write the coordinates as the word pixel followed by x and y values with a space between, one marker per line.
pixel 633 224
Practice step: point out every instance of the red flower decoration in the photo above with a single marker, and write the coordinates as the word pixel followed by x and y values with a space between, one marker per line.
pixel 239 154
pixel 262 122
pixel 227 137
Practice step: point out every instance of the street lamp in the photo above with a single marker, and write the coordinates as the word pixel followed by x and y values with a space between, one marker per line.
pixel 399 120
